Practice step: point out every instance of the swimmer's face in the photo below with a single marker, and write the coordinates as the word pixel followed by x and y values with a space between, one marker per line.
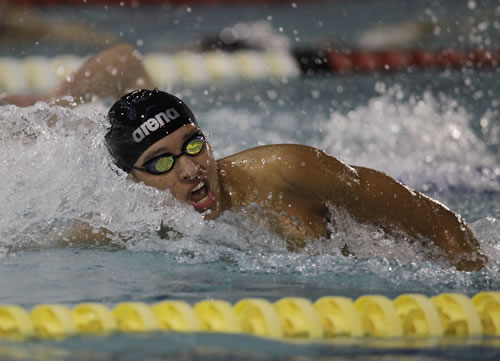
pixel 192 179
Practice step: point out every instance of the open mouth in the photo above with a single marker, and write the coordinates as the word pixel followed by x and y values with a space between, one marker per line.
pixel 201 197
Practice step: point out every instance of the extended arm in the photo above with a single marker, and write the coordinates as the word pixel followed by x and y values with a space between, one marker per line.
pixel 376 198
pixel 111 73
pixel 384 200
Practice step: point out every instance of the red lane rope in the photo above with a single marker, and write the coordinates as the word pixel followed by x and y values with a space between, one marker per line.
pixel 392 60
pixel 135 3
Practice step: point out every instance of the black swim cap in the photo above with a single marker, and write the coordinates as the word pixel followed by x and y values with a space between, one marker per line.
pixel 140 119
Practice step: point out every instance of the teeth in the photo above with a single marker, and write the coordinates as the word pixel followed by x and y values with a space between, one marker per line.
pixel 203 200
pixel 198 187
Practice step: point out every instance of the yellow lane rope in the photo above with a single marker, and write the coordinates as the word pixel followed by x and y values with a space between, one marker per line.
pixel 289 318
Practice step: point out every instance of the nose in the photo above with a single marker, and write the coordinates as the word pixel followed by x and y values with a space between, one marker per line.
pixel 187 168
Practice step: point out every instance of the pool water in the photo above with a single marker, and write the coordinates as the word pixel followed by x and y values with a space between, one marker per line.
pixel 436 131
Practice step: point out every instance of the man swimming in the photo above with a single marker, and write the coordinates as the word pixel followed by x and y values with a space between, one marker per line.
pixel 155 138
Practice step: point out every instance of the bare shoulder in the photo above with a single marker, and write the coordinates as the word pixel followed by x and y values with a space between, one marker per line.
pixel 299 166
pixel 281 152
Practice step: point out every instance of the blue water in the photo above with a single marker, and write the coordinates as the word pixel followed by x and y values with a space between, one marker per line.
pixel 437 131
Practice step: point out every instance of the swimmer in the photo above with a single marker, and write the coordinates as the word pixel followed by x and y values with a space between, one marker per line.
pixel 155 138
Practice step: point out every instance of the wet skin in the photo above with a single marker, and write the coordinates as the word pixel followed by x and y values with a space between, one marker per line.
pixel 293 182
pixel 296 183
pixel 192 180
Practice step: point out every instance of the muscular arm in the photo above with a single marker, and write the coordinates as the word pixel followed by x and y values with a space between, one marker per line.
pixel 376 198
pixel 111 73
pixel 386 201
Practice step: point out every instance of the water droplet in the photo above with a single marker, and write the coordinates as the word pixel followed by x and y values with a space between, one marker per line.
pixel 455 132
pixel 272 94
pixel 60 70
pixel 380 87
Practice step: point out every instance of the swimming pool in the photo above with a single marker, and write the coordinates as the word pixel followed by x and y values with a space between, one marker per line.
pixel 437 131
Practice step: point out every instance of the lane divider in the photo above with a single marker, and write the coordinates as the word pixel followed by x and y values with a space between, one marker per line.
pixel 38 74
pixel 336 61
pixel 289 318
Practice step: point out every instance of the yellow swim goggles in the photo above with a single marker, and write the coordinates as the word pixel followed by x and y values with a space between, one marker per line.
pixel 165 162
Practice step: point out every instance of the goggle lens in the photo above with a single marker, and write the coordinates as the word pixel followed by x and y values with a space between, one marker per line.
pixel 163 164
pixel 194 146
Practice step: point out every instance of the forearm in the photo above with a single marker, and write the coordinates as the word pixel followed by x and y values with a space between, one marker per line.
pixel 22 100
pixel 82 234
pixel 450 233
pixel 385 201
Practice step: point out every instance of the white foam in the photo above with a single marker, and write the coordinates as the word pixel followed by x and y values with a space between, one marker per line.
pixel 61 174
pixel 413 141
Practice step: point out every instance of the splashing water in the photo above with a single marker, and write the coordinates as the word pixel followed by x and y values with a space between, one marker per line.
pixel 57 174
pixel 414 142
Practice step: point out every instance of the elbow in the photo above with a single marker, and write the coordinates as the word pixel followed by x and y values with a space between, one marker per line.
pixel 122 48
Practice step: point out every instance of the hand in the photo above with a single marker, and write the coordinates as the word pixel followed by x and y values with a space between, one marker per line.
pixel 470 262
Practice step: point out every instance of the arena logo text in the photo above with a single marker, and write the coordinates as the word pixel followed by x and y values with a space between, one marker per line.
pixel 153 124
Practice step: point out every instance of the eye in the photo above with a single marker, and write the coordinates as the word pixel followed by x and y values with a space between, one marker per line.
pixel 161 164
pixel 195 145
